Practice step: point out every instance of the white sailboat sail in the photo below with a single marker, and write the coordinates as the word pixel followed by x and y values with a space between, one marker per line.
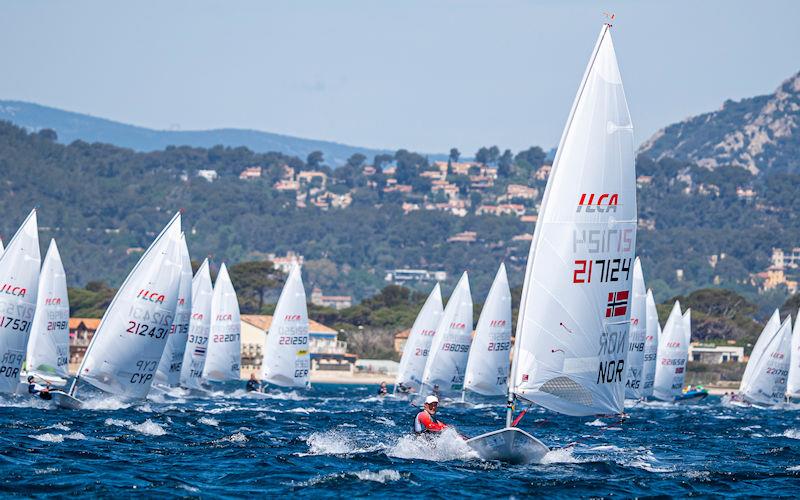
pixel 286 360
pixel 637 337
pixel 673 353
pixel 447 361
pixel 2 248
pixel 194 357
pixel 418 344
pixel 650 346
pixel 19 280
pixel 489 357
pixel 48 347
pixel 225 339
pixel 169 368
pixel 573 324
pixel 765 377
pixel 124 353
pixel 793 381
pixel 687 326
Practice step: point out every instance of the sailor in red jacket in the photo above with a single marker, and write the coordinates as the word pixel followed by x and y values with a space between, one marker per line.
pixel 426 419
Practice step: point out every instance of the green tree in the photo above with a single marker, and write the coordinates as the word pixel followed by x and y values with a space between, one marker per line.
pixel 314 160
pixel 252 281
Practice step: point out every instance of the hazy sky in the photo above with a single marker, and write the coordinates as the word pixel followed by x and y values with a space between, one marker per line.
pixel 425 75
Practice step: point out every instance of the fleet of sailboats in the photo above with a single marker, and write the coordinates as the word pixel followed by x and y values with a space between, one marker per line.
pixel 588 334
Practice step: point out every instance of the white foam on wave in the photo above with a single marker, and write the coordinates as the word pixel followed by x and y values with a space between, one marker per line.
pixel 385 421
pixel 381 476
pixel 213 422
pixel 306 411
pixel 236 437
pixel 148 427
pixel 560 456
pixel 372 399
pixel 58 438
pixel 596 423
pixel 445 446
pixel 59 426
pixel 792 433
pixel 105 403
pixel 793 468
pixel 334 443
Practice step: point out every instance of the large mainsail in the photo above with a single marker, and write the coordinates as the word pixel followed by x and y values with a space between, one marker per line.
pixel 489 357
pixel 194 357
pixel 765 377
pixel 673 353
pixel 169 368
pixel 449 351
pixel 48 347
pixel 572 330
pixel 225 340
pixel 793 381
pixel 637 338
pixel 124 353
pixel 418 344
pixel 286 358
pixel 650 346
pixel 19 279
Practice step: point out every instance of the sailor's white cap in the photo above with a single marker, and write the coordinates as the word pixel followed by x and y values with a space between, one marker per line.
pixel 431 399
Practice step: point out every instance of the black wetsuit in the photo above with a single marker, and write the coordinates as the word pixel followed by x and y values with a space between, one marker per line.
pixel 253 386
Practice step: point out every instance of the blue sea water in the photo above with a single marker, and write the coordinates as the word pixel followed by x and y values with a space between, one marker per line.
pixel 342 441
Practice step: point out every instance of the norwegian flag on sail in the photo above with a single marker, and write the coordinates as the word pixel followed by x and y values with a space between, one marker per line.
pixel 617 304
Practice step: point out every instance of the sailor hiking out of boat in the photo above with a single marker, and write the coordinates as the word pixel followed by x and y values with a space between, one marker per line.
pixel 426 421
pixel 35 390
pixel 253 385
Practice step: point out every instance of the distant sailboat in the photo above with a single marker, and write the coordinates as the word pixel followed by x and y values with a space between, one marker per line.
pixel 19 280
pixel 286 361
pixel 764 381
pixel 124 353
pixel 194 357
pixel 650 346
pixel 637 337
pixel 490 355
pixel 48 347
pixel 447 361
pixel 225 340
pixel 793 381
pixel 169 368
pixel 572 330
pixel 418 344
pixel 673 354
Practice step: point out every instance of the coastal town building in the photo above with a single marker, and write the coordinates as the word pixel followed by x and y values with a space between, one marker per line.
pixel 284 263
pixel 715 354
pixel 403 276
pixel 250 173
pixel 337 302
pixel 209 175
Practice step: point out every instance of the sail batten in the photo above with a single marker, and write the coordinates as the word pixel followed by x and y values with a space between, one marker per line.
pixel 572 330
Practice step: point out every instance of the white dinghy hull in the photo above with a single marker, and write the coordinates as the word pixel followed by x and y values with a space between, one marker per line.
pixel 512 445
pixel 64 400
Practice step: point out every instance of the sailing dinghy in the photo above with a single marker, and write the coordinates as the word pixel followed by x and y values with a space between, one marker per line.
pixel 447 361
pixel 650 346
pixel 48 347
pixel 673 353
pixel 572 331
pixel 168 373
pixel 765 377
pixel 418 344
pixel 225 339
pixel 124 353
pixel 19 280
pixel 634 386
pixel 489 357
pixel 793 380
pixel 286 361
pixel 194 357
